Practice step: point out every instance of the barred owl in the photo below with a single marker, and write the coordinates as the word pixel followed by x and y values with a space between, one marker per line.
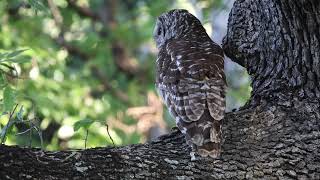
pixel 190 79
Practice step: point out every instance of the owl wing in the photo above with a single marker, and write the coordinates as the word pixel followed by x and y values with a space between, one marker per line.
pixel 192 84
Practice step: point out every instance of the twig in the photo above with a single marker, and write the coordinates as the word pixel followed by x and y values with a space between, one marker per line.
pixel 20 133
pixel 30 134
pixel 110 135
pixel 70 48
pixel 10 123
pixel 30 130
pixel 55 13
pixel 83 11
pixel 58 19
pixel 86 139
pixel 78 52
pixel 12 112
pixel 39 133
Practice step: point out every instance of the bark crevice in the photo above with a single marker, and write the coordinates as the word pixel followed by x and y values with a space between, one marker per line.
pixel 264 142
pixel 278 43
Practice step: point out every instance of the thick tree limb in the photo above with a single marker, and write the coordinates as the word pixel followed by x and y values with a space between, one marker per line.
pixel 277 138
pixel 267 142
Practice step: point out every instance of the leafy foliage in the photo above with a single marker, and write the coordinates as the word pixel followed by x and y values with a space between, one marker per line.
pixel 8 98
pixel 38 5
pixel 9 95
pixel 87 64
pixel 85 123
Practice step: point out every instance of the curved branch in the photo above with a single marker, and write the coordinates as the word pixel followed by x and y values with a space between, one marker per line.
pixel 266 142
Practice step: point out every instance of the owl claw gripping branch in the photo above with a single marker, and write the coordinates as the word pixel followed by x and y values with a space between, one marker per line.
pixel 190 79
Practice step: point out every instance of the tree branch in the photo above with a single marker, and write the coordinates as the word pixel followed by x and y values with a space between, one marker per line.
pixel 120 54
pixel 83 11
pixel 76 51
pixel 259 143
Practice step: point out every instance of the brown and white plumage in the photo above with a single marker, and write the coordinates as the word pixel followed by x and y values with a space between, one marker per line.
pixel 190 79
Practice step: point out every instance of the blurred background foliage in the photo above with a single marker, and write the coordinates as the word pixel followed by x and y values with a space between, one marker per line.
pixel 80 73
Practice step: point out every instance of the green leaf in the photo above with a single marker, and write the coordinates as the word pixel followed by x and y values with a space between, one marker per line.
pixel 20 114
pixel 15 53
pixel 84 123
pixel 12 57
pixel 3 55
pixel 38 5
pixel 7 66
pixel 8 98
pixel 3 81
pixel 5 130
pixel 18 60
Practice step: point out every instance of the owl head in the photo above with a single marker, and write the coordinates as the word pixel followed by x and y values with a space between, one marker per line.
pixel 177 23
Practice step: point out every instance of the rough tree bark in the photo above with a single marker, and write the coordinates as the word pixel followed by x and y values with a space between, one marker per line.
pixel 276 135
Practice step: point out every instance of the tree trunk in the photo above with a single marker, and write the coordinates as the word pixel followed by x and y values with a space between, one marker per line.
pixel 276 135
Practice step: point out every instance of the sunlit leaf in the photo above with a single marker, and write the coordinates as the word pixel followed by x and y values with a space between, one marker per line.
pixel 8 98
pixel 3 81
pixel 6 130
pixel 3 55
pixel 7 66
pixel 15 53
pixel 12 57
pixel 19 60
pixel 84 123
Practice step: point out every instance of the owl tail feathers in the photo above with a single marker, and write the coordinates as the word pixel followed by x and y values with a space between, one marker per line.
pixel 210 149
pixel 204 149
pixel 205 142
